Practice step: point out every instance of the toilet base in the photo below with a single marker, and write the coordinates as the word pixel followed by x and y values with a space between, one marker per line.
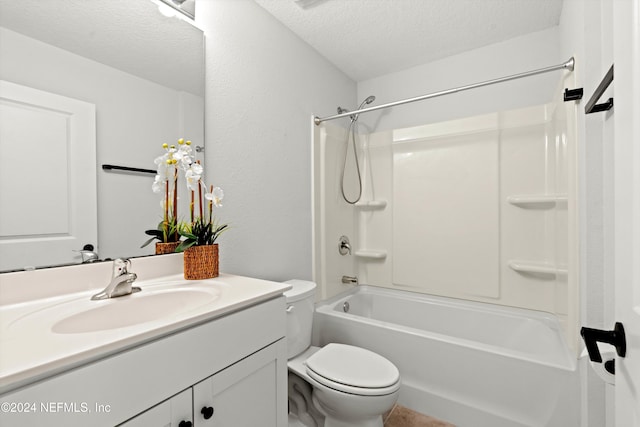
pixel 331 421
pixel 301 403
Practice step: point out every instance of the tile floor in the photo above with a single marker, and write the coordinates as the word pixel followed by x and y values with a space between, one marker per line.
pixel 401 416
pixel 398 416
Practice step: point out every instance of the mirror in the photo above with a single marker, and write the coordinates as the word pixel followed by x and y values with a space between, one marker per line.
pixel 144 74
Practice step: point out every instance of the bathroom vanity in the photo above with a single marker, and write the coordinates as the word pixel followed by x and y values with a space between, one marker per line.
pixel 218 359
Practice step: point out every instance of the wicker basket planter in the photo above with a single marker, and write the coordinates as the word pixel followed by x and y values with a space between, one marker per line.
pixel 166 248
pixel 201 262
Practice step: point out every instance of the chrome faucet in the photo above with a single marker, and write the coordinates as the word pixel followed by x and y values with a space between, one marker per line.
pixel 121 281
pixel 88 254
pixel 350 280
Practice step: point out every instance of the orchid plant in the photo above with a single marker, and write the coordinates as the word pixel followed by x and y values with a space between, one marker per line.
pixel 203 229
pixel 166 182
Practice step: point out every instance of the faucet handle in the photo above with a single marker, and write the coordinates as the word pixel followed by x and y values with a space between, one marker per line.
pixel 87 253
pixel 343 245
pixel 121 266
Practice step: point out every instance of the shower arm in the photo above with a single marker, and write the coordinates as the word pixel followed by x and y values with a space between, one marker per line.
pixel 568 65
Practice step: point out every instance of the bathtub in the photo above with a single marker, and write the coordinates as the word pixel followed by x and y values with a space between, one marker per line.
pixel 469 363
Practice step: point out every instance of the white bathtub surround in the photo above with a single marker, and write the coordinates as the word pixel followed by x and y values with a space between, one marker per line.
pixel 481 208
pixel 333 217
pixel 469 363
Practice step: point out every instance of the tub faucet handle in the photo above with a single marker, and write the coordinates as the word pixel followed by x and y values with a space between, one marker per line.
pixel 120 267
pixel 344 247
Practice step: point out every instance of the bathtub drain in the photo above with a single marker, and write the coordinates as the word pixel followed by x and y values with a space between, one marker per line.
pixel 345 306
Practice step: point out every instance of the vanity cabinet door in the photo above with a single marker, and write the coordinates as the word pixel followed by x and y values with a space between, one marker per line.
pixel 175 412
pixel 246 394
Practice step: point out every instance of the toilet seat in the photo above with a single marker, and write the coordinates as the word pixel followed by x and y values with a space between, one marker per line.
pixel 353 370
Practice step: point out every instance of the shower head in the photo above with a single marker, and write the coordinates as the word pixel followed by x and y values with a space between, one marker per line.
pixel 354 117
pixel 367 101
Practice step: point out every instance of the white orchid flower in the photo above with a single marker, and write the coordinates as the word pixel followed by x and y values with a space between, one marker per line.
pixel 183 161
pixel 164 166
pixel 158 184
pixel 186 149
pixel 193 178
pixel 183 155
pixel 215 196
pixel 197 168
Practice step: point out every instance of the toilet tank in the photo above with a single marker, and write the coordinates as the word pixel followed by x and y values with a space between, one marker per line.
pixel 300 306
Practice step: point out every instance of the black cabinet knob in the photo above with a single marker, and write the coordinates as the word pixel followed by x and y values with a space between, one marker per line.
pixel 185 424
pixel 207 412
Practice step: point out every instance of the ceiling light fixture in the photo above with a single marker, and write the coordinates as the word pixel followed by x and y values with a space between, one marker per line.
pixel 167 10
pixel 179 6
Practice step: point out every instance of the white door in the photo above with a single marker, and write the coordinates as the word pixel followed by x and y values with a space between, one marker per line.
pixel 627 206
pixel 42 221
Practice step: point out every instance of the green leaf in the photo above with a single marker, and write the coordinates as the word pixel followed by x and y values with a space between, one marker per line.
pixel 186 244
pixel 154 233
pixel 148 241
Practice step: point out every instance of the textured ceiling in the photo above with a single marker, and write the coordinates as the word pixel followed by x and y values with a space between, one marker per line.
pixel 370 38
pixel 130 35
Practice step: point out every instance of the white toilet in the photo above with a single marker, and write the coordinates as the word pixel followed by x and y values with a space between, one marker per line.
pixel 350 386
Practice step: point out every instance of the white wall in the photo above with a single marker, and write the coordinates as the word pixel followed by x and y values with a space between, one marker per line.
pixel 525 53
pixel 263 85
pixel 134 117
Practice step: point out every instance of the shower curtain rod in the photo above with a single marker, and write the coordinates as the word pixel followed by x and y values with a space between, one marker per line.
pixel 568 65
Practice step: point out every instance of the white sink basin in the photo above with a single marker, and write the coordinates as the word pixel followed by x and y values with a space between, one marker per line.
pixel 135 309
pixel 153 303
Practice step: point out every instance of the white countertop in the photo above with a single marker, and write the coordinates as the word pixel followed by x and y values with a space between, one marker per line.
pixel 31 348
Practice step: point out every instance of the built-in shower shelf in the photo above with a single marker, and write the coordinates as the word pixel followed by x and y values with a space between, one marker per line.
pixel 536 267
pixel 370 254
pixel 537 201
pixel 372 204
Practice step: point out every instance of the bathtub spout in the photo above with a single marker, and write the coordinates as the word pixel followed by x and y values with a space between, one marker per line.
pixel 350 280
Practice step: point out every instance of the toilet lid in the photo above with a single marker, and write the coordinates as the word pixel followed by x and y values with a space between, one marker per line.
pixel 353 366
